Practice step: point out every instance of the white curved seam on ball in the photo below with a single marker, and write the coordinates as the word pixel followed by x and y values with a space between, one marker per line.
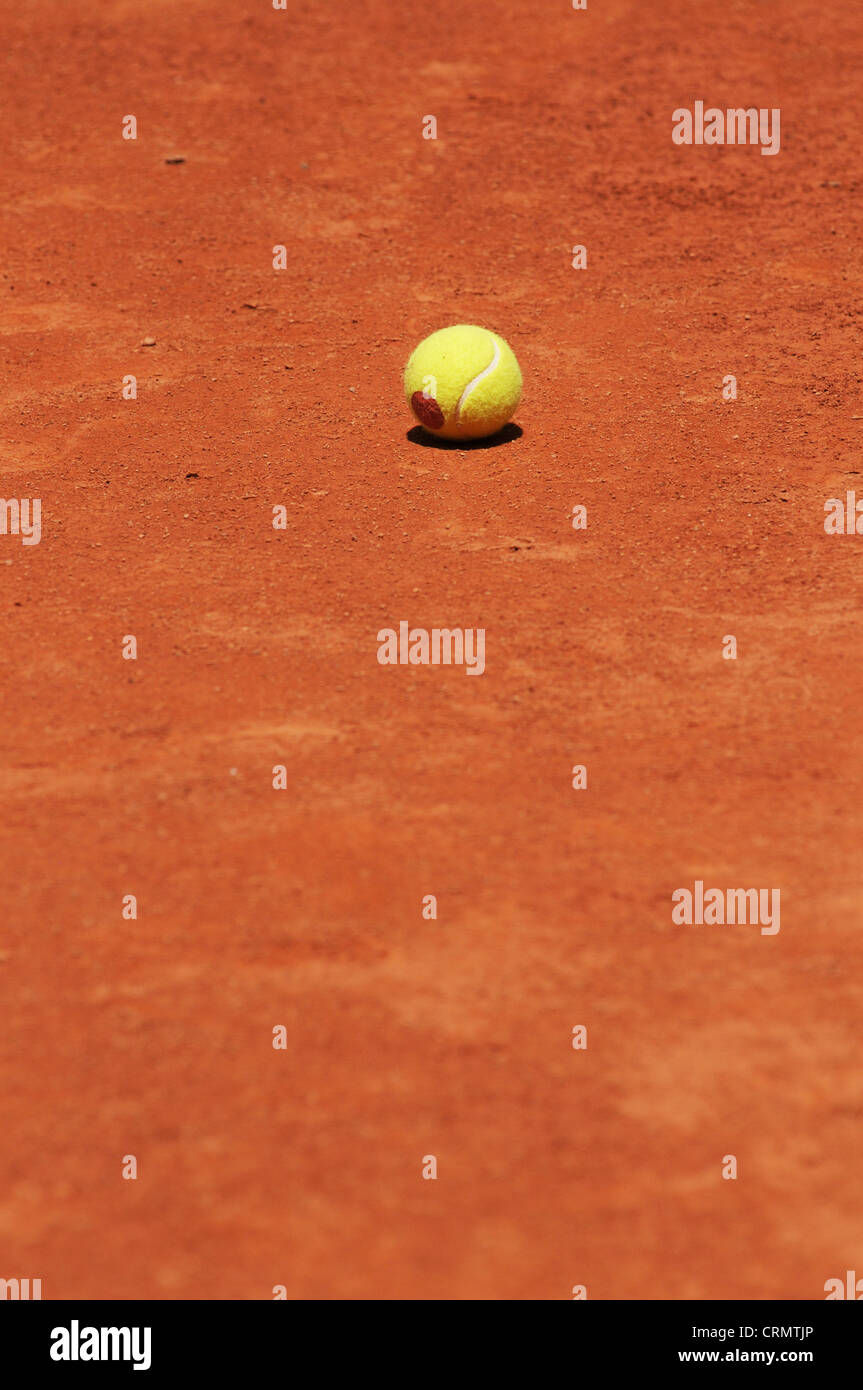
pixel 477 379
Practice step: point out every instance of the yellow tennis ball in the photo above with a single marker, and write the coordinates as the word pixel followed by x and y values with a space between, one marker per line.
pixel 463 382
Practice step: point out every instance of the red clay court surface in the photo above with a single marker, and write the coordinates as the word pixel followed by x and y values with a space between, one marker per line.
pixel 257 647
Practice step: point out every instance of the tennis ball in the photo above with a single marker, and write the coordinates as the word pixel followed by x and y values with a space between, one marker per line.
pixel 463 382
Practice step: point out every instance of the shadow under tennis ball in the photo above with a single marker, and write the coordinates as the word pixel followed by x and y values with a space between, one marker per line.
pixel 417 435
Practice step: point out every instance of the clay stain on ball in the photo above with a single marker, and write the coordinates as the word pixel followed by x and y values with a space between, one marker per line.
pixel 427 410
